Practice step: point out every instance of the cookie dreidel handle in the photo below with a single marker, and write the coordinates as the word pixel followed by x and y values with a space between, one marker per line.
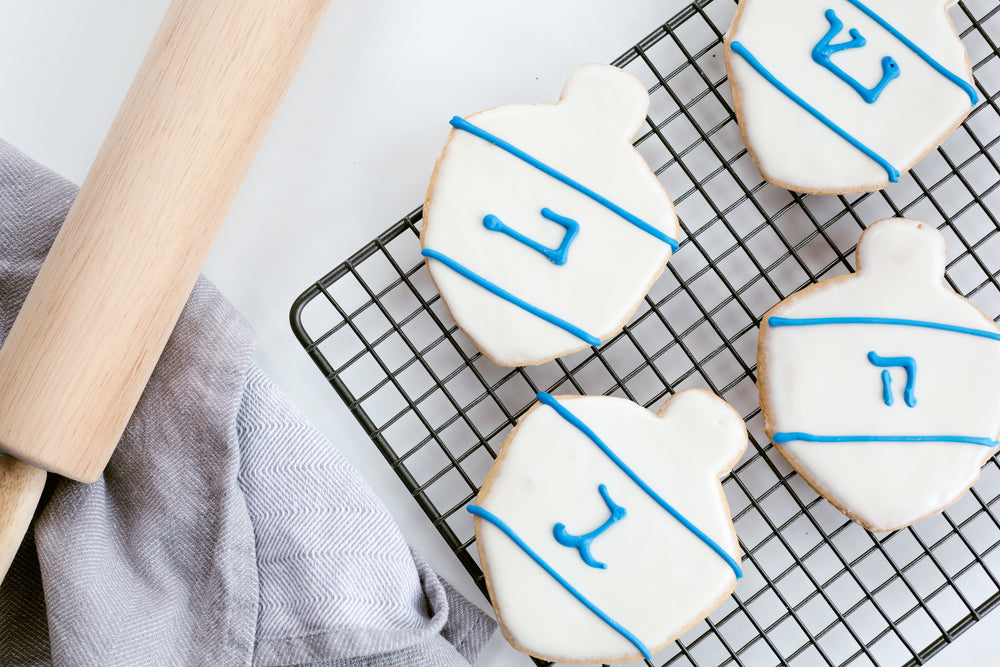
pixel 125 260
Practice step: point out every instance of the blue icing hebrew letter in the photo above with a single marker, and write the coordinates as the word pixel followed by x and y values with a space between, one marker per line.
pixel 887 388
pixel 557 256
pixel 909 364
pixel 583 542
pixel 824 50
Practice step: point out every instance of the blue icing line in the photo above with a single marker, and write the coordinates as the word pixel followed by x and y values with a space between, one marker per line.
pixel 557 256
pixel 941 69
pixel 909 364
pixel 582 542
pixel 563 412
pixel 507 296
pixel 887 388
pixel 816 321
pixel 824 50
pixel 742 51
pixel 789 436
pixel 516 539
pixel 462 124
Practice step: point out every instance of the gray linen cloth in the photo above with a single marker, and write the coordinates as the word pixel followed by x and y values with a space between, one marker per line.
pixel 225 530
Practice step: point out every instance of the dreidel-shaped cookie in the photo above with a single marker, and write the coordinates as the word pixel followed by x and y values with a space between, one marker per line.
pixel 837 96
pixel 543 226
pixel 603 529
pixel 882 388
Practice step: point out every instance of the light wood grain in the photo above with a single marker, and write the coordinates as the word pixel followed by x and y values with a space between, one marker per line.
pixel 113 285
pixel 21 485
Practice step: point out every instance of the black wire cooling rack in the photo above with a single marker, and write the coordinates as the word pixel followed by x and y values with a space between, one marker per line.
pixel 818 589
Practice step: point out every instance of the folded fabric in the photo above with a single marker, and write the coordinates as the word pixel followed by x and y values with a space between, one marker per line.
pixel 225 529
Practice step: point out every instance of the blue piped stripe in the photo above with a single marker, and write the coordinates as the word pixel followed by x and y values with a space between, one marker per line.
pixel 516 539
pixel 590 339
pixel 563 412
pixel 926 57
pixel 817 321
pixel 742 51
pixel 462 124
pixel 790 436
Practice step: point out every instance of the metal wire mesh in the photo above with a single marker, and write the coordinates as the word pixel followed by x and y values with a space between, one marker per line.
pixel 818 588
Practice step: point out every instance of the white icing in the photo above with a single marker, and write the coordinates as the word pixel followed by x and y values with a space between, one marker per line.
pixel 611 263
pixel 818 380
pixel 660 578
pixel 913 114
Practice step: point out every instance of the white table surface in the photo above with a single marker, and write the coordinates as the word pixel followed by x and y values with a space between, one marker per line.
pixel 350 152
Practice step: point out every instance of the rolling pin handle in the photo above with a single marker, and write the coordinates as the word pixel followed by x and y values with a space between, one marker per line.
pixel 21 486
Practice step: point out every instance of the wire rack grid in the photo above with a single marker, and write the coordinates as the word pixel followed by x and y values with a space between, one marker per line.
pixel 818 589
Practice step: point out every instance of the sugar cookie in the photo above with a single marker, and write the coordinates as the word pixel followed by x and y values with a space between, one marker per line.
pixel 603 529
pixel 543 226
pixel 881 387
pixel 837 96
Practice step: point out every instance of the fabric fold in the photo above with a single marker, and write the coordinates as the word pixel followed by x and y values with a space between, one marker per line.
pixel 225 530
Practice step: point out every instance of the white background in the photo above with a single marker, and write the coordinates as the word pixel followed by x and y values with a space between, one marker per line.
pixel 351 151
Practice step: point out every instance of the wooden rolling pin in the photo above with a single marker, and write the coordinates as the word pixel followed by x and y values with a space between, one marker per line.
pixel 111 289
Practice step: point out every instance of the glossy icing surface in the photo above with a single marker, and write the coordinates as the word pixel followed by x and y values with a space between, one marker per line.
pixel 888 452
pixel 626 224
pixel 659 576
pixel 905 51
